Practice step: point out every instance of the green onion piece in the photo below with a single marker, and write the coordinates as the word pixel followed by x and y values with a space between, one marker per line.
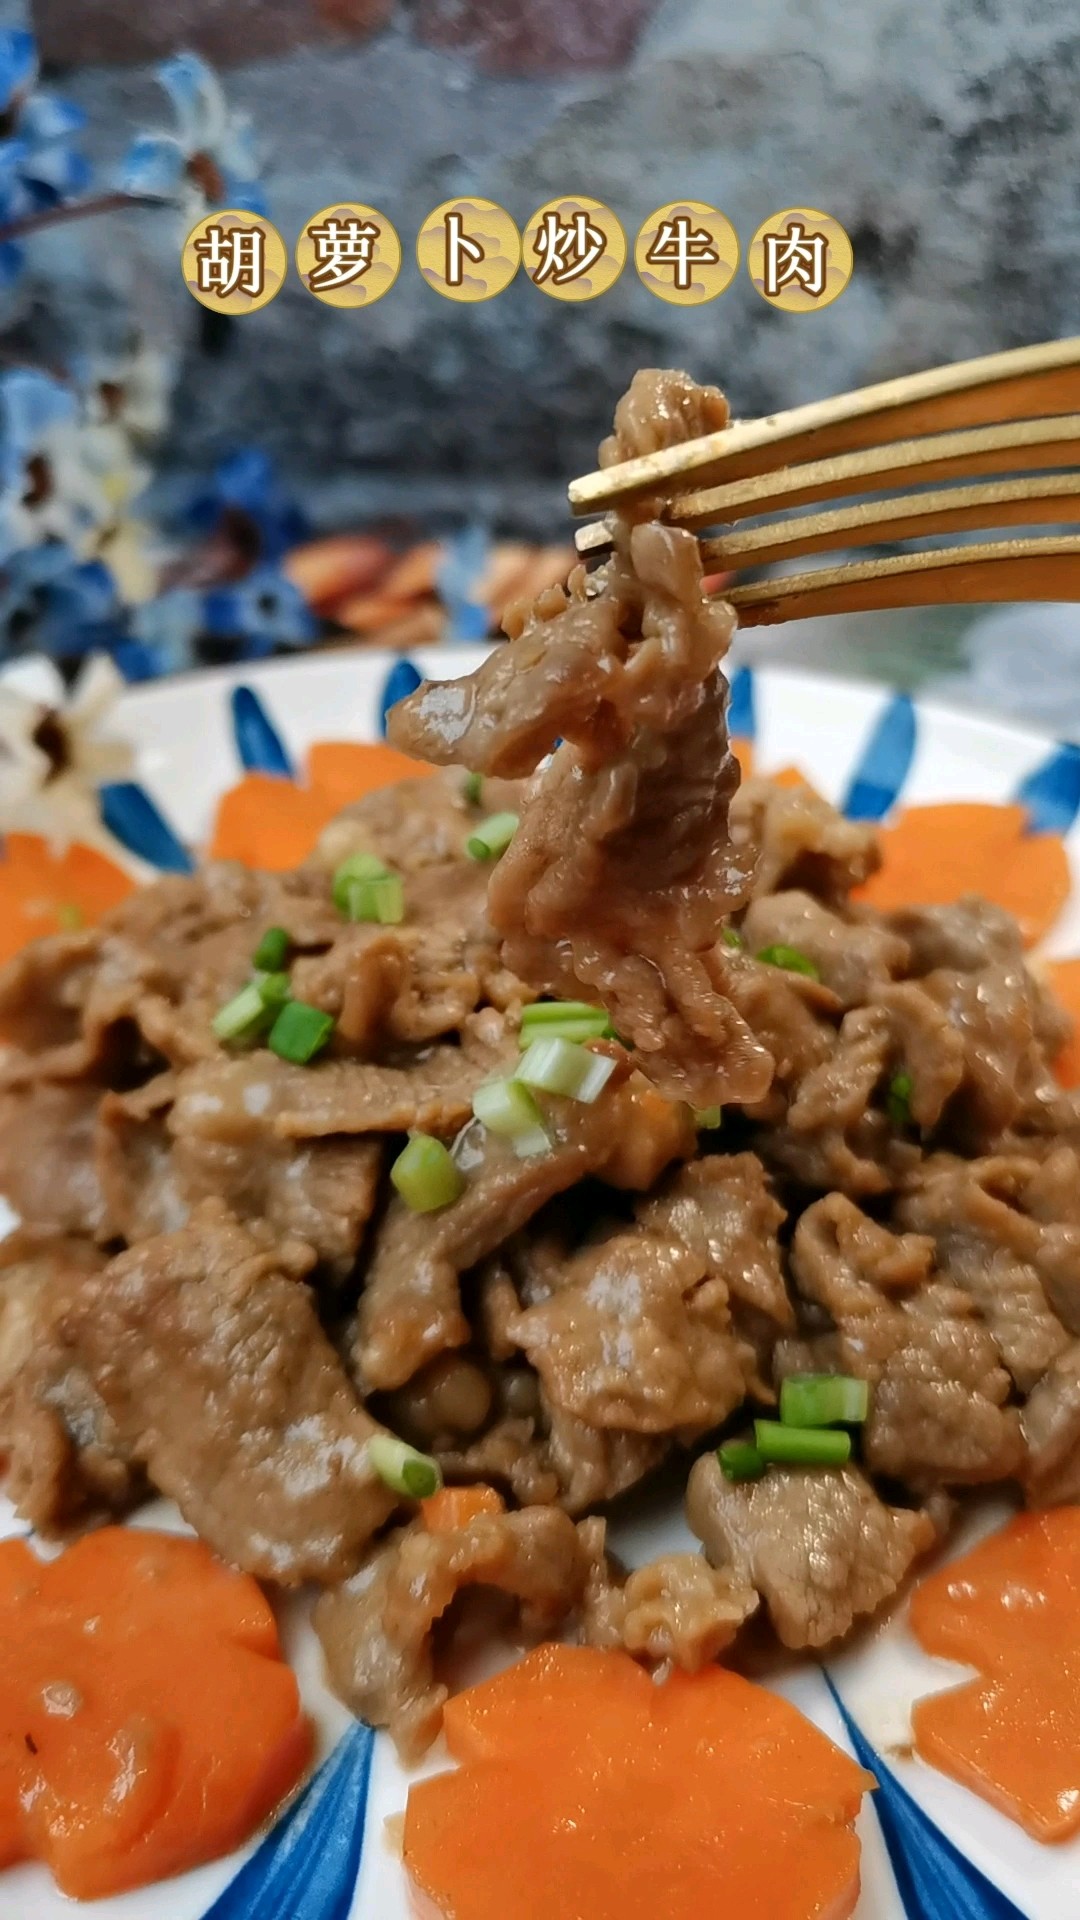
pixel 70 916
pixel 706 1118
pixel 403 1468
pixel 823 1400
pixel 562 1066
pixel 898 1100
pixel 300 1032
pixel 425 1175
pixel 802 1446
pixel 792 959
pixel 549 1013
pixel 473 789
pixel 273 988
pixel 568 1019
pixel 731 937
pixel 577 1030
pixel 492 837
pixel 242 1016
pixel 740 1461
pixel 269 955
pixel 358 866
pixel 507 1108
pixel 382 900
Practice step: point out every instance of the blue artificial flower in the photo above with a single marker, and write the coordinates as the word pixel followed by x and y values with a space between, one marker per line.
pixel 39 164
pixel 52 602
pixel 261 614
pixel 164 632
pixel 212 150
pixel 460 569
pixel 31 404
pixel 245 494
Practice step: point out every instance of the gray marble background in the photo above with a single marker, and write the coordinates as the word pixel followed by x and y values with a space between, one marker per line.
pixel 944 136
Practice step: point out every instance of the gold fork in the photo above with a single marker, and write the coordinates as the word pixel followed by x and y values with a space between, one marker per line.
pixel 1004 414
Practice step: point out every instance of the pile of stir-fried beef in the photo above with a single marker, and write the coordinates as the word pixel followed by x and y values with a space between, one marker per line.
pixel 216 1293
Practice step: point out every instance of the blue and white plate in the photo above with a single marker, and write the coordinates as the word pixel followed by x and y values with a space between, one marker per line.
pixel 931 1851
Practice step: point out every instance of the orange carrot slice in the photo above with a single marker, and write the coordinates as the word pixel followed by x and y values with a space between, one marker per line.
pixel 274 823
pixel 743 749
pixel 148 1720
pixel 1011 1608
pixel 454 1507
pixel 45 892
pixel 343 563
pixel 931 855
pixel 342 771
pixel 586 1789
pixel 270 822
pixel 1063 979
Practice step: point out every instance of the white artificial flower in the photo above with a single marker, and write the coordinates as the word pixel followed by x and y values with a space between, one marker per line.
pixel 131 391
pixel 54 754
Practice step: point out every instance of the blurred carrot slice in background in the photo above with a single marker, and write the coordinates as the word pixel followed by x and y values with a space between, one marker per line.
pixel 327 570
pixel 585 1789
pixel 46 892
pixel 1011 1609
pixel 931 855
pixel 268 821
pixel 344 770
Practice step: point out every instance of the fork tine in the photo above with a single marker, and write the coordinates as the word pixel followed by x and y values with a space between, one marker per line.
pixel 946 576
pixel 1013 447
pixel 1048 501
pixel 1025 383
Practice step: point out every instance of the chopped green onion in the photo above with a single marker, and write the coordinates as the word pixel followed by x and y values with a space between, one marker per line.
pixel 823 1400
pixel 792 959
pixel 273 988
pixel 802 1446
pixel 578 1030
pixel 547 1013
pixel 402 1468
pixel 300 1032
pixel 507 1108
pixel 566 1019
pixel 706 1118
pixel 358 866
pixel 740 1461
pixel 731 937
pixel 425 1175
pixel 473 789
pixel 492 837
pixel 242 1016
pixel 382 900
pixel 898 1100
pixel 269 955
pixel 562 1066
pixel 71 917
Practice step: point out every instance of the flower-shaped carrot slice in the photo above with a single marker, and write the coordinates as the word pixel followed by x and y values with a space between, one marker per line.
pixel 46 892
pixel 268 821
pixel 147 1720
pixel 586 1789
pixel 932 855
pixel 1011 1608
pixel 344 770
